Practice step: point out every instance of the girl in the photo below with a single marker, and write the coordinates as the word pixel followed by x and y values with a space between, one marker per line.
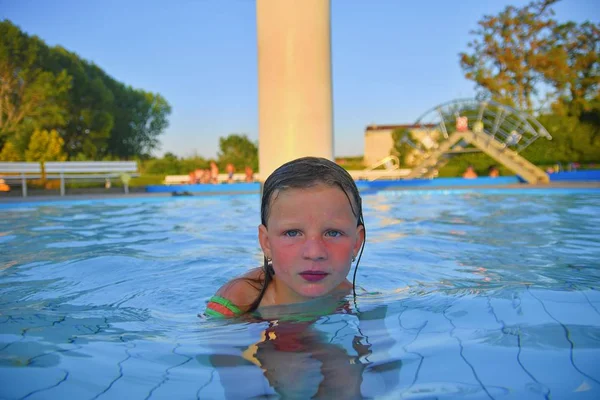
pixel 311 231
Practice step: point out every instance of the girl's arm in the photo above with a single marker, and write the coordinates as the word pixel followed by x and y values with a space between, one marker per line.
pixel 235 297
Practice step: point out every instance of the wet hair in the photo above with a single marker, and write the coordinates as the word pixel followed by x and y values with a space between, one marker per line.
pixel 304 173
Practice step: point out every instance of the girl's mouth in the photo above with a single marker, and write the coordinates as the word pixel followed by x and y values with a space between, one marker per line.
pixel 313 276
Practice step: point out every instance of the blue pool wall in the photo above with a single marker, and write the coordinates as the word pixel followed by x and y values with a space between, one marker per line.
pixel 254 187
pixel 244 187
pixel 576 176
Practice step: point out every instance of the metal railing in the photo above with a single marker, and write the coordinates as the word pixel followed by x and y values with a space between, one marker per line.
pixel 391 163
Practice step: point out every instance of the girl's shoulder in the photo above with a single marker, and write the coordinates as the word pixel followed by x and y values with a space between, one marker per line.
pixel 236 296
pixel 243 289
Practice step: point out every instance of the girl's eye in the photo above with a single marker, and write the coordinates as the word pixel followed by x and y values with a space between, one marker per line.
pixel 333 233
pixel 292 233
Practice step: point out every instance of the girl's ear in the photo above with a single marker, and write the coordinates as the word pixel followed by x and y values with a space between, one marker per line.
pixel 263 239
pixel 360 238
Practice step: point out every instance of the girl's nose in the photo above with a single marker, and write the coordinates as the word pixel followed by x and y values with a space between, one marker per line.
pixel 314 249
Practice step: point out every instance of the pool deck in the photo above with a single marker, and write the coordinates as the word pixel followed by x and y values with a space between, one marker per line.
pixel 115 193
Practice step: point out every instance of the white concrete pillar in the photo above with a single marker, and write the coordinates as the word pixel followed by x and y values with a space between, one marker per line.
pixel 295 110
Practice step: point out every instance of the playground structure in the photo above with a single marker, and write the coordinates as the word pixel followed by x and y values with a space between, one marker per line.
pixel 453 127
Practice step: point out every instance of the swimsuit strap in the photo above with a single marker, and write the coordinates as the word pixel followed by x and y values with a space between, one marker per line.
pixel 221 307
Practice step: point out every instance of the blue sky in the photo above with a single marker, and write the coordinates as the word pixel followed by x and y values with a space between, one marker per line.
pixel 392 59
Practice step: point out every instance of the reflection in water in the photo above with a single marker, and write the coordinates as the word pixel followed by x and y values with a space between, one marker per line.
pixel 301 361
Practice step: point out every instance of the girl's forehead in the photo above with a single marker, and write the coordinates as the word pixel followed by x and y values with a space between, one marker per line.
pixel 282 196
pixel 291 192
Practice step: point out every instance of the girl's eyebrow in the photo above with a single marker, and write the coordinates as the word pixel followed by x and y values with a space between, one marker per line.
pixel 329 225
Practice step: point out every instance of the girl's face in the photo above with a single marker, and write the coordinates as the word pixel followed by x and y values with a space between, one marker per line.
pixel 312 236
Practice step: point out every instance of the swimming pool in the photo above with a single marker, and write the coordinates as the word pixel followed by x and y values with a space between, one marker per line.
pixel 478 294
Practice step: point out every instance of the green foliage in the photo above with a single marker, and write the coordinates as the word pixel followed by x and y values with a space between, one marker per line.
pixel 45 146
pixel 51 88
pixel 170 165
pixel 351 163
pixel 401 147
pixel 193 163
pixel 170 156
pixel 140 117
pixel 90 119
pixel 31 97
pixel 235 149
pixel 518 50
pixel 10 153
pixel 479 161
pixel 507 48
pixel 147 179
pixel 239 151
pixel 572 141
pixel 572 66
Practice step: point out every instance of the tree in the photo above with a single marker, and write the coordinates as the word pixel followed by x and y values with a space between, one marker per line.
pixel 10 153
pixel 572 66
pixel 30 97
pixel 89 120
pixel 572 141
pixel 509 48
pixel 45 146
pixel 151 119
pixel 402 148
pixel 170 156
pixel 239 151
pixel 45 88
pixel 140 117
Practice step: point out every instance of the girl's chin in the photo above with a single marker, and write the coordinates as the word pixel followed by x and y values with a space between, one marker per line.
pixel 305 290
pixel 314 291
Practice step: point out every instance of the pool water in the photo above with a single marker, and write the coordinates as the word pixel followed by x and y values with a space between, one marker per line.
pixel 471 294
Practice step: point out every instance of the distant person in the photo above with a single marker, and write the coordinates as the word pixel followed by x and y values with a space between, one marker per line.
pixel 199 175
pixel 192 178
pixel 230 169
pixel 205 177
pixel 493 172
pixel 214 172
pixel 469 173
pixel 4 186
pixel 550 170
pixel 249 174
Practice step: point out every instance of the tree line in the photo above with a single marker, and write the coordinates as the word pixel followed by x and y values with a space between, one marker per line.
pixel 55 105
pixel 235 149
